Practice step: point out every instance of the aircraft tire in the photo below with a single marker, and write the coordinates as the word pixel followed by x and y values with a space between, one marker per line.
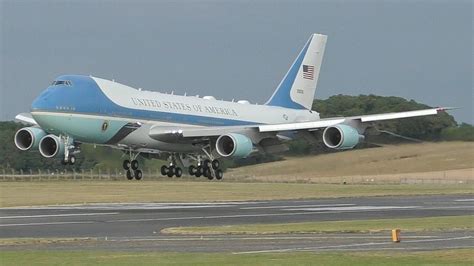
pixel 138 174
pixel 207 173
pixel 126 164
pixel 215 164
pixel 134 165
pixel 72 160
pixel 129 175
pixel 192 170
pixel 164 170
pixel 219 174
pixel 198 171
pixel 206 164
pixel 178 172
pixel 171 171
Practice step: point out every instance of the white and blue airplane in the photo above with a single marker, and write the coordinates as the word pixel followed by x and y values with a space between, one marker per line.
pixel 191 131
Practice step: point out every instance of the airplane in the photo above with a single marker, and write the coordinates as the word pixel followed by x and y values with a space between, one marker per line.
pixel 190 131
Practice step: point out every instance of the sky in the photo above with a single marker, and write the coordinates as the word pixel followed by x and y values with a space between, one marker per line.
pixel 420 50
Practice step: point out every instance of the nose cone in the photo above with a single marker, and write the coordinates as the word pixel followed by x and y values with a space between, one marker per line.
pixel 43 101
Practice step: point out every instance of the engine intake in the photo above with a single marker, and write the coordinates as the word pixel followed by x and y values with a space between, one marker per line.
pixel 51 146
pixel 341 137
pixel 28 138
pixel 234 145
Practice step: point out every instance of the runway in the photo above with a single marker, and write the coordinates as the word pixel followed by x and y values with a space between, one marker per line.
pixel 137 226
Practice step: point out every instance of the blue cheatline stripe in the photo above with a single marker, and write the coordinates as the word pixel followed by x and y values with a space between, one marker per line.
pixel 282 93
pixel 86 97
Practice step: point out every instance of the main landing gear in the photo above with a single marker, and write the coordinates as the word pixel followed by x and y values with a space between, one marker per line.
pixel 207 168
pixel 131 166
pixel 172 169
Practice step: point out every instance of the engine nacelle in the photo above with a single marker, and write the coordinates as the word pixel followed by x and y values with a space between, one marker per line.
pixel 341 137
pixel 51 146
pixel 28 138
pixel 234 145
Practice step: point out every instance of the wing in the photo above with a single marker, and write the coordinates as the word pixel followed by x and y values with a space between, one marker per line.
pixel 26 118
pixel 161 133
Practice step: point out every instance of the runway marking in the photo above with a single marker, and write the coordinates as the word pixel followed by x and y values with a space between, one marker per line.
pixel 59 215
pixel 144 205
pixel 350 245
pixel 463 200
pixel 353 208
pixel 236 216
pixel 52 223
pixel 210 238
pixel 211 217
pixel 294 206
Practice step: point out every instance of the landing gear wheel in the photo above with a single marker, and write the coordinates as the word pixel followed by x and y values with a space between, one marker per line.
pixel 138 174
pixel 129 175
pixel 171 170
pixel 126 164
pixel 208 174
pixel 215 164
pixel 198 171
pixel 192 170
pixel 164 170
pixel 219 174
pixel 134 164
pixel 206 164
pixel 178 172
pixel 72 160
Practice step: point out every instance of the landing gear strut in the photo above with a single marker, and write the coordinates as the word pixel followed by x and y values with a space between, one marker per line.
pixel 131 166
pixel 70 148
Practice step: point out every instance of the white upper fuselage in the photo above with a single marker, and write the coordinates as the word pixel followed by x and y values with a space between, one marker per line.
pixel 131 98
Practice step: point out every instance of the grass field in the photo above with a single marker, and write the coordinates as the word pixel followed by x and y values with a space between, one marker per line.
pixel 441 257
pixel 69 192
pixel 354 226
pixel 439 160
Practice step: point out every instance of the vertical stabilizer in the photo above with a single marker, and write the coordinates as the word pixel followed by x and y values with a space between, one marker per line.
pixel 297 88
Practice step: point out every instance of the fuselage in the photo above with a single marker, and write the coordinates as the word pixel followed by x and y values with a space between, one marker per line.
pixel 94 110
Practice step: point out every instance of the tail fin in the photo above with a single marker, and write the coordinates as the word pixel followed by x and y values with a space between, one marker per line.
pixel 297 88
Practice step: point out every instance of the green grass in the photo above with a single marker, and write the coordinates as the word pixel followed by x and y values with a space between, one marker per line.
pixel 392 160
pixel 442 257
pixel 355 226
pixel 70 192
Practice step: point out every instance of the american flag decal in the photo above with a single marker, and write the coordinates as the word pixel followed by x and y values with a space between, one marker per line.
pixel 308 72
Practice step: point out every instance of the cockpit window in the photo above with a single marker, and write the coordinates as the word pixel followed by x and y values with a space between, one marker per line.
pixel 61 82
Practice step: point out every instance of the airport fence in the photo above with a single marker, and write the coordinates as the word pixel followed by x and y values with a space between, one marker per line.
pixel 155 175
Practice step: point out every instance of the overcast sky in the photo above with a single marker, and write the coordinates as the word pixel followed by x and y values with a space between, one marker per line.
pixel 419 50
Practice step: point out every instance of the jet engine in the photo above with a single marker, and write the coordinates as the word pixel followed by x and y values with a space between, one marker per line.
pixel 341 137
pixel 28 138
pixel 234 145
pixel 51 146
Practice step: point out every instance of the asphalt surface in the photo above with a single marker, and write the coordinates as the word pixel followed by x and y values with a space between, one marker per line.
pixel 137 226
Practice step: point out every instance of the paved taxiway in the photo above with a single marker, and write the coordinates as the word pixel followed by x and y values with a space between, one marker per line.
pixel 137 226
